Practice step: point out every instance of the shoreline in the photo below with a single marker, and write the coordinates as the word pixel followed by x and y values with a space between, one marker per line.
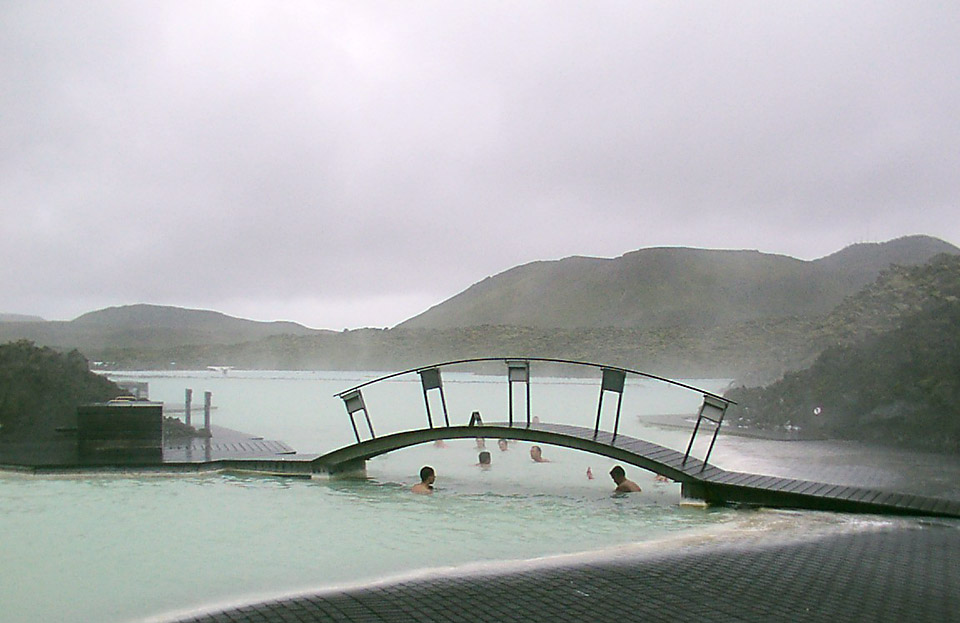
pixel 686 422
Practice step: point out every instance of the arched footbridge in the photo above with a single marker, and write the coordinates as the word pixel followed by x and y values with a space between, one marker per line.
pixel 699 479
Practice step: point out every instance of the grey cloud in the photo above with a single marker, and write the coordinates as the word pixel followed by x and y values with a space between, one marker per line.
pixel 267 156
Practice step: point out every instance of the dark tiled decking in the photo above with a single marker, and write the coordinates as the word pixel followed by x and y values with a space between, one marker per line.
pixel 225 444
pixel 906 574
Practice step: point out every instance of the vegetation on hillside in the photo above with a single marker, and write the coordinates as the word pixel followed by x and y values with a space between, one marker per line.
pixel 41 388
pixel 897 293
pixel 899 387
pixel 729 352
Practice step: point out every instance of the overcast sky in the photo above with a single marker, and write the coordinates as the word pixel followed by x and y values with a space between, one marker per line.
pixel 350 164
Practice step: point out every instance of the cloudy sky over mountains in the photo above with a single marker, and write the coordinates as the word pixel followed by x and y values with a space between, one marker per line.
pixel 350 164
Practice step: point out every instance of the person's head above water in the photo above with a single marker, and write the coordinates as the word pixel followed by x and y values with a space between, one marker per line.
pixel 618 474
pixel 624 484
pixel 484 458
pixel 537 454
pixel 502 444
pixel 427 475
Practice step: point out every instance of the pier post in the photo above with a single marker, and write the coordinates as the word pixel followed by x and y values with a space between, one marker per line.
pixel 187 399
pixel 693 491
pixel 207 399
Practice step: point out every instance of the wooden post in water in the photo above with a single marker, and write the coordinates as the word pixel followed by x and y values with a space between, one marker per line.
pixel 207 399
pixel 187 399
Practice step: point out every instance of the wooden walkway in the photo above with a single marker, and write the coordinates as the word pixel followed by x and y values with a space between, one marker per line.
pixel 715 485
pixel 225 444
pixel 233 451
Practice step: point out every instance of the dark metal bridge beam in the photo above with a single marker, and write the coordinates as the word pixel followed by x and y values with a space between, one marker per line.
pixel 370 448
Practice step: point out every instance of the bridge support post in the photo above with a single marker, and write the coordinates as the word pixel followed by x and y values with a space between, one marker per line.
pixel 350 469
pixel 612 381
pixel 430 379
pixel 518 372
pixel 693 491
pixel 713 411
pixel 353 402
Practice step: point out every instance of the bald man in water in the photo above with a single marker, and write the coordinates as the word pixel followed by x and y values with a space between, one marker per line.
pixel 624 484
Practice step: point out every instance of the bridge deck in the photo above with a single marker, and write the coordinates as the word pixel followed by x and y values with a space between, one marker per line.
pixel 714 484
pixel 707 482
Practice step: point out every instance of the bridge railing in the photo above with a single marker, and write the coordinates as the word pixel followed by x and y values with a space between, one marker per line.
pixel 612 380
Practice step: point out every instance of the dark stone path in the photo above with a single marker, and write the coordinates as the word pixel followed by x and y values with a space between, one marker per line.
pixel 904 574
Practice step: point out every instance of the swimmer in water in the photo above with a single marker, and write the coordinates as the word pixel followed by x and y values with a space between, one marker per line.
pixel 624 484
pixel 484 459
pixel 427 478
pixel 502 444
pixel 537 455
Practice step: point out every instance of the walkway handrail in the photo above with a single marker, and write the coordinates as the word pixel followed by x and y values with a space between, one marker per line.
pixel 612 379
pixel 540 359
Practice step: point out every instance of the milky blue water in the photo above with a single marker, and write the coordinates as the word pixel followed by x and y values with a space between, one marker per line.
pixel 113 547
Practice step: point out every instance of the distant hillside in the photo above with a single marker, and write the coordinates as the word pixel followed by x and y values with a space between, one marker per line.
pixel 754 352
pixel 860 262
pixel 760 352
pixel 661 287
pixel 159 316
pixel 900 387
pixel 140 326
pixel 20 318
pixel 898 292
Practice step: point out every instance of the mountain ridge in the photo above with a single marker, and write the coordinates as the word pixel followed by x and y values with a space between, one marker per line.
pixel 759 346
pixel 20 318
pixel 146 325
pixel 660 286
pixel 144 314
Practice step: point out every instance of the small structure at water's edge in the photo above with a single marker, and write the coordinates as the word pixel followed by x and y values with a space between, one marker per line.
pixel 120 431
pixel 138 389
pixel 130 434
